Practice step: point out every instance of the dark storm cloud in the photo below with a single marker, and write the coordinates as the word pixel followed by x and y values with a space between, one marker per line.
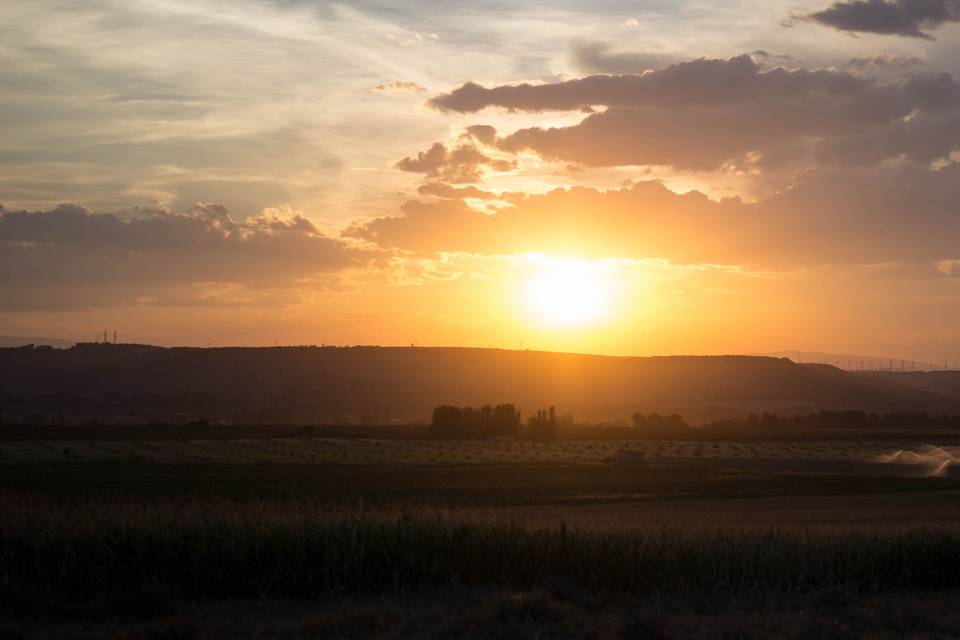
pixel 71 256
pixel 913 18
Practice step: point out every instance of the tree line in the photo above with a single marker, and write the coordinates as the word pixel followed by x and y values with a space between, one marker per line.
pixel 855 419
pixel 502 420
pixel 505 420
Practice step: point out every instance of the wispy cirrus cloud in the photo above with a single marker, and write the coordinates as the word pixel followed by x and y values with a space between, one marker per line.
pixel 399 86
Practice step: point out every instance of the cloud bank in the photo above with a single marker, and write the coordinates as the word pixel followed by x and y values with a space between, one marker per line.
pixel 733 114
pixel 910 18
pixel 73 257
pixel 830 218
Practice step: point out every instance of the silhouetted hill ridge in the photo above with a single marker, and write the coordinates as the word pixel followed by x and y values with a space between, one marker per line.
pixel 363 384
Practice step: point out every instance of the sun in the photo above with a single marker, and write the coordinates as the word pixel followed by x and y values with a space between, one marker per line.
pixel 567 292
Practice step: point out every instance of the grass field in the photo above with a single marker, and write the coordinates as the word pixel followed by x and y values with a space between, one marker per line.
pixel 347 537
pixel 367 451
pixel 217 548
pixel 134 566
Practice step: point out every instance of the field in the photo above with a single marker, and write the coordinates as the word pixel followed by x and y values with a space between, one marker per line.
pixel 315 536
pixel 373 451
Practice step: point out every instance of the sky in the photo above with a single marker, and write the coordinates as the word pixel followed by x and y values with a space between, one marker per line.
pixel 631 178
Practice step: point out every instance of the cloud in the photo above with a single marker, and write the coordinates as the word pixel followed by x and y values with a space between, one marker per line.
pixel 901 214
pixel 399 86
pixel 712 115
pixel 920 140
pixel 701 82
pixel 948 266
pixel 599 57
pixel 70 256
pixel 482 133
pixel 911 18
pixel 462 163
pixel 774 58
pixel 443 190
pixel 887 62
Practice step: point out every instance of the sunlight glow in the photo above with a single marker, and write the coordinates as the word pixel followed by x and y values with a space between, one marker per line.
pixel 568 292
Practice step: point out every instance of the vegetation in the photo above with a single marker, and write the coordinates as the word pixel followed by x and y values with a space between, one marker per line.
pixel 559 611
pixel 483 486
pixel 848 419
pixel 134 548
pixel 544 425
pixel 468 422
pixel 213 548
pixel 898 420
pixel 369 537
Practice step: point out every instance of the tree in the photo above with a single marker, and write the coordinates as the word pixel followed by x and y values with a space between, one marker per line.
pixel 469 422
pixel 542 425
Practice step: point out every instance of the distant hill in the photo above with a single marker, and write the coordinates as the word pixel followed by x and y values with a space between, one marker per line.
pixel 18 341
pixel 390 384
pixel 853 362
pixel 946 383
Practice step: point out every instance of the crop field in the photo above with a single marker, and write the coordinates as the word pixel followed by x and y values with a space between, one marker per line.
pixel 341 537
pixel 215 568
pixel 356 451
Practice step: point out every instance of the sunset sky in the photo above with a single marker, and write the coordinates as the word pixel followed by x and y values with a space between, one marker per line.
pixel 626 178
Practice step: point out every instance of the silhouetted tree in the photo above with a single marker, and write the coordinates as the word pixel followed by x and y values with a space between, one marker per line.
pixel 542 425
pixel 469 422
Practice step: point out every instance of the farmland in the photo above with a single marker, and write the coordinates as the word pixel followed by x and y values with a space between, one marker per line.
pixel 372 451
pixel 188 535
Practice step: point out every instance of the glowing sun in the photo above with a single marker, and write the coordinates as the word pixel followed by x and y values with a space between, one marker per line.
pixel 566 292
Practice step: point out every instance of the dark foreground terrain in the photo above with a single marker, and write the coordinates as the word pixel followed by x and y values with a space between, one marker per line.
pixel 556 612
pixel 667 548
